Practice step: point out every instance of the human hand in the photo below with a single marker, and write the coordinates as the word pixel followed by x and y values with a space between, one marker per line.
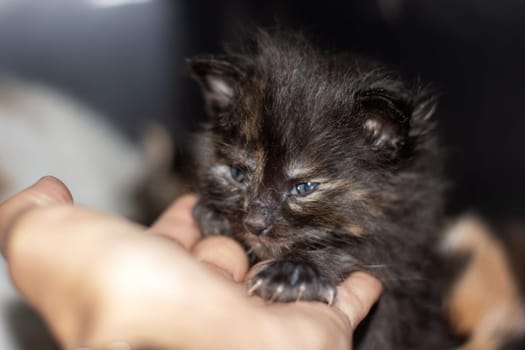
pixel 99 279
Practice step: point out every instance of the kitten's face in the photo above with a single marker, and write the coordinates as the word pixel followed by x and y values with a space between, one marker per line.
pixel 297 151
pixel 277 188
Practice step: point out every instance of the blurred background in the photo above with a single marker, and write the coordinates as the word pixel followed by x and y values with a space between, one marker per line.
pixel 96 93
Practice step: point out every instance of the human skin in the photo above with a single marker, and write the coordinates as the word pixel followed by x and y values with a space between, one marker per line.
pixel 99 279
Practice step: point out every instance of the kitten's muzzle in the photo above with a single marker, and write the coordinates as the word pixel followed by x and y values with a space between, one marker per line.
pixel 258 220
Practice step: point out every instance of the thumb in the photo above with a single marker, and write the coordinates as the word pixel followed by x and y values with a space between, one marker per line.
pixel 47 191
pixel 356 296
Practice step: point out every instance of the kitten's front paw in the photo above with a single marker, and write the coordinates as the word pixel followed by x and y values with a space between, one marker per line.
pixel 287 281
pixel 210 222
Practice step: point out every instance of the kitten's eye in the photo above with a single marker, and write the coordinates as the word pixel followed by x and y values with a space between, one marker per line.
pixel 303 188
pixel 237 174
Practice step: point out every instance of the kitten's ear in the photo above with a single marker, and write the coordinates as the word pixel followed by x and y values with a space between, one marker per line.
pixel 218 76
pixel 385 120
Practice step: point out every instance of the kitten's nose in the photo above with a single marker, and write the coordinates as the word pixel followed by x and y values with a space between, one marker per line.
pixel 258 221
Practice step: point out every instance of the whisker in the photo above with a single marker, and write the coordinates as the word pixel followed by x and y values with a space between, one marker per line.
pixel 376 266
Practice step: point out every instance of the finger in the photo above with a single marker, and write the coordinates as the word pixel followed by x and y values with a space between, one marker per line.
pixel 48 190
pixel 224 255
pixel 356 296
pixel 97 276
pixel 177 222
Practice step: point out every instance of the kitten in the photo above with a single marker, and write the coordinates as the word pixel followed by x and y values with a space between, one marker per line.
pixel 325 165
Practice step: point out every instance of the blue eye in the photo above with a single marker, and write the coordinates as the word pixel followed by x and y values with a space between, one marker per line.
pixel 237 174
pixel 303 188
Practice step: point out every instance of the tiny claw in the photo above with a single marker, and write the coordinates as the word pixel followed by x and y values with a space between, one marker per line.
pixel 331 297
pixel 277 293
pixel 255 286
pixel 300 294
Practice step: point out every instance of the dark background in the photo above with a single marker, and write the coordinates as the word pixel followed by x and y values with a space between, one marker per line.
pixel 127 61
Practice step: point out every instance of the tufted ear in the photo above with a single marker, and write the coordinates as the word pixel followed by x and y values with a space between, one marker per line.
pixel 385 119
pixel 218 77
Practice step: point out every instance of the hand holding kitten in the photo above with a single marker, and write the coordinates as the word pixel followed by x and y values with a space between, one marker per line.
pixel 97 279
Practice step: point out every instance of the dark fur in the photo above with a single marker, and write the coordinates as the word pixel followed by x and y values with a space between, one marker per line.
pixel 366 137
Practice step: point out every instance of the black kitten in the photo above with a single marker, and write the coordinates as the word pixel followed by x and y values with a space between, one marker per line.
pixel 325 165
